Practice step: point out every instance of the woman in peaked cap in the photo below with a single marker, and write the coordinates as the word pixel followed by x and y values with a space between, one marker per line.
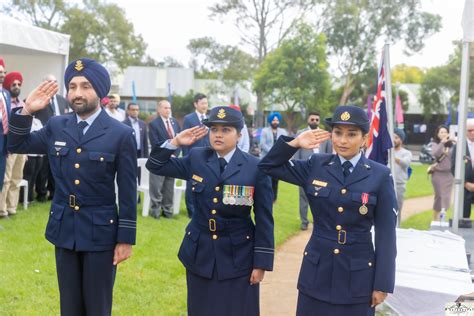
pixel 224 252
pixel 341 273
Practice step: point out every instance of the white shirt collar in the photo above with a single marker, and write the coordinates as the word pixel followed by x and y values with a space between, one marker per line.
pixel 91 118
pixel 353 161
pixel 228 157
pixel 200 114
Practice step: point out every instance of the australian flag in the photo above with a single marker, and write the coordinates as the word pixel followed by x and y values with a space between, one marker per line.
pixel 379 141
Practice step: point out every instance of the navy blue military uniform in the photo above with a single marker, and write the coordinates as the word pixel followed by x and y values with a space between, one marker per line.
pixel 222 245
pixel 340 267
pixel 84 223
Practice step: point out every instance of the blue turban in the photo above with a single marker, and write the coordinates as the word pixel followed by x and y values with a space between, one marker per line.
pixel 94 72
pixel 400 134
pixel 272 115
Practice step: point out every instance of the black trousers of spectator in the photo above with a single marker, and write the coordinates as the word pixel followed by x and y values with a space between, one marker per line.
pixel 44 181
pixel 30 173
pixel 275 188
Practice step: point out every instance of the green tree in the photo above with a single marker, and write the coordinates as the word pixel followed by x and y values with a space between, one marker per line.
pixel 353 29
pixel 406 74
pixel 295 74
pixel 98 29
pixel 441 84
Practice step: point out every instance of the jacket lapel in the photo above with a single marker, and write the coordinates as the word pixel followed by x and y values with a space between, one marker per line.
pixel 234 165
pixel 71 128
pixel 97 128
pixel 334 168
pixel 213 164
pixel 361 171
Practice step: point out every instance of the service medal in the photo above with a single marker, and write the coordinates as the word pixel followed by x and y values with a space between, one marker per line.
pixel 232 200
pixel 225 200
pixel 250 201
pixel 363 210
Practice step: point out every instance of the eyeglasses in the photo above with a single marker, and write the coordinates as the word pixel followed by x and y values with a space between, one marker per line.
pixel 314 120
pixel 470 130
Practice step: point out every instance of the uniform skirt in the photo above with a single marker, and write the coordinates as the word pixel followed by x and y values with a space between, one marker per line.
pixel 233 297
pixel 308 306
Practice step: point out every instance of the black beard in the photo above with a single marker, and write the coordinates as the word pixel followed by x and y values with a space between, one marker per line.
pixel 313 125
pixel 15 93
pixel 88 108
pixel 275 125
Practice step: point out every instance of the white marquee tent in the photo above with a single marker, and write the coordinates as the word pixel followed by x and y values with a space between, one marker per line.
pixel 33 51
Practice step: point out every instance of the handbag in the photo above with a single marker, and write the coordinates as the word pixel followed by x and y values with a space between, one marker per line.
pixel 432 167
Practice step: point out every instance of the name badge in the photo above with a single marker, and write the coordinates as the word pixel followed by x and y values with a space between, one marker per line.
pixel 197 178
pixel 320 183
pixel 56 143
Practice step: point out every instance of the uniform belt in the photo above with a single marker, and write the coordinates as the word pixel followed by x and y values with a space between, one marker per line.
pixel 73 200
pixel 342 236
pixel 222 225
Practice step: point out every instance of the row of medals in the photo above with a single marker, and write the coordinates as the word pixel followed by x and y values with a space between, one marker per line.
pixel 237 199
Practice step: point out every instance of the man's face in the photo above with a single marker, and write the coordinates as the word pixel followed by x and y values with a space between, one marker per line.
pixel 201 105
pixel 15 88
pixel 3 73
pixel 275 122
pixel 397 141
pixel 470 131
pixel 313 121
pixel 164 109
pixel 133 111
pixel 82 96
pixel 113 104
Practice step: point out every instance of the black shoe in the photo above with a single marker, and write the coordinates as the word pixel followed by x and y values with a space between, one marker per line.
pixel 154 215
pixel 51 197
pixel 304 226
pixel 41 198
pixel 168 215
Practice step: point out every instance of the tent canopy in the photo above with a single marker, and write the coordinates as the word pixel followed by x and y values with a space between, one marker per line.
pixel 33 51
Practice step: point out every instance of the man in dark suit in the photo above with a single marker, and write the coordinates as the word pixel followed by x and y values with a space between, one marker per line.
pixel 57 105
pixel 5 104
pixel 195 119
pixel 161 187
pixel 468 169
pixel 140 129
pixel 87 150
pixel 324 148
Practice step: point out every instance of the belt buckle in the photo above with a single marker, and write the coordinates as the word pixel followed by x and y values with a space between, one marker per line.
pixel 212 225
pixel 341 237
pixel 72 201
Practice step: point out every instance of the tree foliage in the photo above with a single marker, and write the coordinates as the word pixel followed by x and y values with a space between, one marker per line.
pixel 406 74
pixel 355 28
pixel 295 74
pixel 98 29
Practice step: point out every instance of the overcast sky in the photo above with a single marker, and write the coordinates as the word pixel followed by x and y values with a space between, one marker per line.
pixel 168 25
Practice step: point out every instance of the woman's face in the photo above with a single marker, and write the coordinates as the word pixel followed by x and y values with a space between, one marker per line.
pixel 223 138
pixel 347 140
pixel 442 133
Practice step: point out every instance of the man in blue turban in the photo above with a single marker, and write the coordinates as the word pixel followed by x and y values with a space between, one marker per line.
pixel 87 151
pixel 268 139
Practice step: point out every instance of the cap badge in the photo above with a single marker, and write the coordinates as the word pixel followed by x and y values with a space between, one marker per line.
pixel 345 116
pixel 221 114
pixel 79 66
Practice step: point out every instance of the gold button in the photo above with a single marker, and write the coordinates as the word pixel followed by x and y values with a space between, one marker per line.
pixel 215 200
pixel 305 253
pixel 78 150
pixel 338 227
pixel 189 233
pixel 370 264
pixel 213 212
pixel 343 191
pixel 77 182
pixel 214 237
pixel 77 208
pixel 336 251
pixel 315 193
pixel 101 158
pixel 111 221
pixel 217 189
pixel 51 212
pixel 248 237
pixel 77 166
pixel 192 189
pixel 57 153
pixel 340 209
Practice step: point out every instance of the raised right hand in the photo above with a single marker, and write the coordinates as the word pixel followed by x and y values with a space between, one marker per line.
pixel 40 97
pixel 310 139
pixel 189 136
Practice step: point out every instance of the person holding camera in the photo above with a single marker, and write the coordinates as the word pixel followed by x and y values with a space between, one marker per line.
pixel 441 176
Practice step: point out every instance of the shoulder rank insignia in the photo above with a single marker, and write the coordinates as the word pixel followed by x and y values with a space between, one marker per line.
pixel 366 166
pixel 345 116
pixel 197 178
pixel 221 114
pixel 79 66
pixel 320 183
pixel 331 163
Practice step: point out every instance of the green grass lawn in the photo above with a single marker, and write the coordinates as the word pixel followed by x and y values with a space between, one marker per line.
pixel 419 183
pixel 152 282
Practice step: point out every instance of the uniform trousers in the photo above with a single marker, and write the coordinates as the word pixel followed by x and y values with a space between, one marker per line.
pixel 9 196
pixel 86 282
pixel 161 195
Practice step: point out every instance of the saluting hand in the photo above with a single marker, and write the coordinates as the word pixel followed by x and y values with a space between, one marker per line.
pixel 189 136
pixel 39 98
pixel 310 139
pixel 257 276
pixel 377 298
pixel 122 252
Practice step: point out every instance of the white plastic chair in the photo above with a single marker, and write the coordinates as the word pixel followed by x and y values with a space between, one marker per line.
pixel 144 185
pixel 23 183
pixel 178 192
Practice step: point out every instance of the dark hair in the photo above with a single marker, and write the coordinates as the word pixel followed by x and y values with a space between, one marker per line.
pixel 436 138
pixel 313 113
pixel 130 104
pixel 198 97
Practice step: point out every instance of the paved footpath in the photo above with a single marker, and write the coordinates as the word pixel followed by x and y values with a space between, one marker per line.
pixel 278 293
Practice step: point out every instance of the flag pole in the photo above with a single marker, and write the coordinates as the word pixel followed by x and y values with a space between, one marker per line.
pixel 389 104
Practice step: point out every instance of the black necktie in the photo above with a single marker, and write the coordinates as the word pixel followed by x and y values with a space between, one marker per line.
pixel 347 165
pixel 222 164
pixel 80 126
